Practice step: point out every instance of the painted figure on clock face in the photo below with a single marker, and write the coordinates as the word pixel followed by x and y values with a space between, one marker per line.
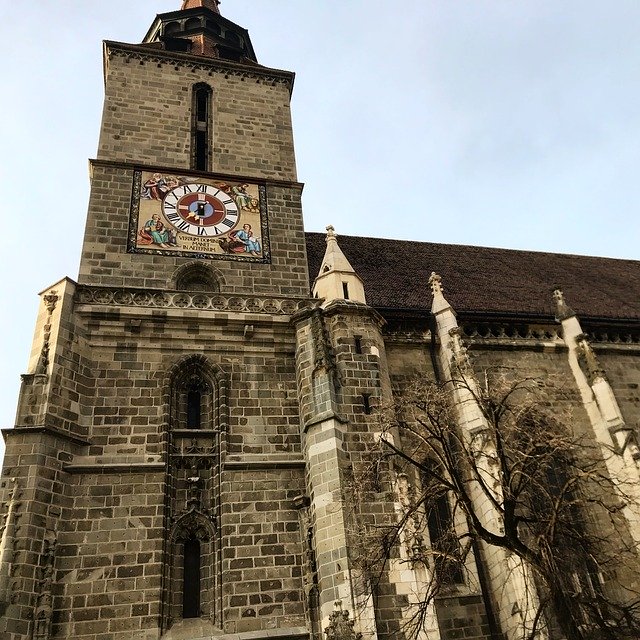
pixel 157 186
pixel 251 243
pixel 155 232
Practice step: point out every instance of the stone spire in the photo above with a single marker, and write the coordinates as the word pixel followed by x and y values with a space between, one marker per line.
pixel 337 279
pixel 207 4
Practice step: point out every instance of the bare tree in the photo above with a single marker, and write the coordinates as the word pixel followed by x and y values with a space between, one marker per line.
pixel 561 514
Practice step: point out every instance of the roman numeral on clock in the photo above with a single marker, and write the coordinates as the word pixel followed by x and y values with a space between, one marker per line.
pixel 228 222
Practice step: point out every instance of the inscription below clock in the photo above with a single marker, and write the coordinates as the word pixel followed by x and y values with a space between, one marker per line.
pixel 200 210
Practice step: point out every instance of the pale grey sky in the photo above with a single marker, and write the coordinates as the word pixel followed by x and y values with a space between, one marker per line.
pixel 489 122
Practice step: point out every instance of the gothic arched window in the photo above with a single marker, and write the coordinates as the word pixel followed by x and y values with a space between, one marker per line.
pixel 192 573
pixel 192 400
pixel 201 127
pixel 191 579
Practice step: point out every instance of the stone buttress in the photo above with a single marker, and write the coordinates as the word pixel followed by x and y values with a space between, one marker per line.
pixel 510 580
pixel 616 438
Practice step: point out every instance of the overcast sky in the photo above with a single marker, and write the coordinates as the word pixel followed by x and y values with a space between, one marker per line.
pixel 490 122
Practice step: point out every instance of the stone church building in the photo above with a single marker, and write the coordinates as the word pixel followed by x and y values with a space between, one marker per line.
pixel 194 401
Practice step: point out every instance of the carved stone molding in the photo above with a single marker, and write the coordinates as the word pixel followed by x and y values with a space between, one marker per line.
pixel 50 301
pixel 322 351
pixel 521 332
pixel 614 336
pixel 199 301
pixel 588 360
pixel 340 626
pixel 211 65
pixel 510 331
pixel 44 602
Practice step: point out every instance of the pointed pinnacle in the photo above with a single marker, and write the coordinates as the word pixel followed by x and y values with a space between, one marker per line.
pixel 564 311
pixel 436 284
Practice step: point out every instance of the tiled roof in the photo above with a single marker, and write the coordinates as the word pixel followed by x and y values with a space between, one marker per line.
pixel 479 279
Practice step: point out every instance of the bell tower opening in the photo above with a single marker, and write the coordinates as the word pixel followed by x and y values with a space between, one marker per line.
pixel 201 127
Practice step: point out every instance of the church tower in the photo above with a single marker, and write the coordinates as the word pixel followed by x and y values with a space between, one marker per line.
pixel 150 482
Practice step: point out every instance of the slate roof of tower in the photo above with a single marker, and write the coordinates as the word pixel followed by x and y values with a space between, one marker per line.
pixel 485 280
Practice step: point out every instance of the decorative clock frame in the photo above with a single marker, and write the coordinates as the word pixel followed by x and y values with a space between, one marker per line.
pixel 198 216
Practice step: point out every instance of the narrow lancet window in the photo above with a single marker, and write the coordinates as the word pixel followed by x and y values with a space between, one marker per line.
pixel 191 589
pixel 444 541
pixel 201 126
pixel 194 409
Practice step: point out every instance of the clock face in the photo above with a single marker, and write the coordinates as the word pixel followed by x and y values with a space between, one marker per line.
pixel 200 210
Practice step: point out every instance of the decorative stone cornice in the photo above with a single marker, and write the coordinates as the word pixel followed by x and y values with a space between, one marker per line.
pixel 515 334
pixel 198 301
pixel 198 63
pixel 510 331
pixel 131 165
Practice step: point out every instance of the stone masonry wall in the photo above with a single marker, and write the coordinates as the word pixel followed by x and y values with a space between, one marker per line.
pixel 109 556
pixel 147 114
pixel 623 372
pixel 262 548
pixel 105 260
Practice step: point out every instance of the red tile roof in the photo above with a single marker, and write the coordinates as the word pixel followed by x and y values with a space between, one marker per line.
pixel 485 280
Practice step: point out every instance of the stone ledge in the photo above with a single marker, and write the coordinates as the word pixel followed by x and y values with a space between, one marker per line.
pixel 98 467
pixel 192 632
pixel 247 463
pixel 295 633
pixel 50 431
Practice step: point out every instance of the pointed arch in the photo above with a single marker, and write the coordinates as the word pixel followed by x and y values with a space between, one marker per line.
pixel 195 375
pixel 193 546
